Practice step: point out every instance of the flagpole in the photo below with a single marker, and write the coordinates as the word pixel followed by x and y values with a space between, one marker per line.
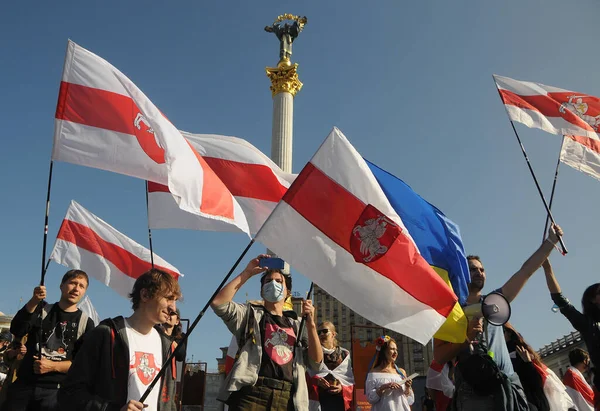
pixel 301 327
pixel 166 363
pixel 44 265
pixel 149 230
pixel 537 184
pixel 553 186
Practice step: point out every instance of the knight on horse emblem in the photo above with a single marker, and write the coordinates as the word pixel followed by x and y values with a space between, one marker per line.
pixel 373 235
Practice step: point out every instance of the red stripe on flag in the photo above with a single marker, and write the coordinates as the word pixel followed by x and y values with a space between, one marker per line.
pixel 335 211
pixel 216 198
pixel 248 180
pixel 575 382
pixel 106 110
pixel 242 179
pixel 548 105
pixel 84 237
pixel 588 142
pixel 157 188
pixel 96 108
pixel 436 366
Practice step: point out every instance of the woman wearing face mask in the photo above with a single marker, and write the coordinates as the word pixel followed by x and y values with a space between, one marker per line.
pixel 588 322
pixel 386 388
pixel 269 373
pixel 331 387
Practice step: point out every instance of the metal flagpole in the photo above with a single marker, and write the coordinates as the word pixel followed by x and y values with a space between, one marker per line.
pixel 166 363
pixel 44 265
pixel 550 216
pixel 149 230
pixel 38 309
pixel 553 187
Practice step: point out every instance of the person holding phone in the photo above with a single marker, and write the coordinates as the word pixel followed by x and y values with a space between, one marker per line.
pixel 387 387
pixel 332 386
pixel 269 372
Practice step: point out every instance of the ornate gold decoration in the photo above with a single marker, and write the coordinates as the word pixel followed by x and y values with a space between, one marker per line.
pixel 284 78
pixel 301 20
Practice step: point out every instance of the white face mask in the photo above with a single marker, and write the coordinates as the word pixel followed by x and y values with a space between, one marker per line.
pixel 273 291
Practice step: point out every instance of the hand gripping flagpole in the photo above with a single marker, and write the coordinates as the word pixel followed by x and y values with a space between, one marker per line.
pixel 45 264
pixel 549 213
pixel 301 327
pixel 167 362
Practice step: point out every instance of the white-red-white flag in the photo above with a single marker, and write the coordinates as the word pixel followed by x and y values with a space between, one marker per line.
pixel 88 243
pixel 256 182
pixel 555 391
pixel 342 373
pixel 336 226
pixel 580 391
pixel 551 109
pixel 103 120
pixel 582 153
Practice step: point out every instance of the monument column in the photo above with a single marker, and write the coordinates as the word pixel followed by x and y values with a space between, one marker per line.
pixel 284 86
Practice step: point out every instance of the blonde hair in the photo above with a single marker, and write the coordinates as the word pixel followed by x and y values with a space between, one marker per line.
pixel 332 329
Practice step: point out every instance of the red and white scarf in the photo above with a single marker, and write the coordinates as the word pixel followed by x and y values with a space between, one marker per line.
pixel 343 373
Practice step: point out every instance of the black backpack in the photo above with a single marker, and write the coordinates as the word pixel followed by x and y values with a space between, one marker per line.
pixel 480 371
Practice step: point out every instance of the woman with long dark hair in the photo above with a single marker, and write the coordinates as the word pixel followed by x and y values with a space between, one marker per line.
pixel 527 364
pixel 543 389
pixel 387 388
pixel 587 323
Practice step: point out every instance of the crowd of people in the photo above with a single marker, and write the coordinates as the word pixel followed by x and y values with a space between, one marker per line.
pixel 56 359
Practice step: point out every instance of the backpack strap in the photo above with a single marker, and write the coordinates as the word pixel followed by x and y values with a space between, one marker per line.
pixel 46 310
pixel 83 320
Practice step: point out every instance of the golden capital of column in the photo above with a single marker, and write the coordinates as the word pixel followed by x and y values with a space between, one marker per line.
pixel 284 78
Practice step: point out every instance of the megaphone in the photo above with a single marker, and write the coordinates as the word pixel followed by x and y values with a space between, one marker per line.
pixel 495 308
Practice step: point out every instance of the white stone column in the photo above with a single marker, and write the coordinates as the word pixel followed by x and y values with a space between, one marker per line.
pixel 282 134
pixel 284 86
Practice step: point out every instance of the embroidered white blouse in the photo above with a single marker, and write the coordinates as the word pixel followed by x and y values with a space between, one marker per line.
pixel 391 400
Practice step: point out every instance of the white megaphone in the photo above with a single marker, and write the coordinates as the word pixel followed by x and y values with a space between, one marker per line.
pixel 495 308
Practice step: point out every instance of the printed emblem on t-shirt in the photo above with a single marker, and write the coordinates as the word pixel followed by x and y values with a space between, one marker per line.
pixel 55 346
pixel 279 343
pixel 145 367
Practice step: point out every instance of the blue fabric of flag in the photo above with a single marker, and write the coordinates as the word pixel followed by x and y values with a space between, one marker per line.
pixel 436 236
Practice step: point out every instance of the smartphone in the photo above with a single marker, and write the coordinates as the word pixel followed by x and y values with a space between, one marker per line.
pixel 273 263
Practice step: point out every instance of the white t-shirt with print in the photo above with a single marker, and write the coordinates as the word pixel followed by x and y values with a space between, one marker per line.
pixel 144 364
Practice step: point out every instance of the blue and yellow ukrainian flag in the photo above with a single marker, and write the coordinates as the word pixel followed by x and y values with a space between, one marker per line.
pixel 439 242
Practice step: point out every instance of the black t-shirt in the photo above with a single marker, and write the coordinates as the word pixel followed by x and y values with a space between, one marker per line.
pixel 278 340
pixel 58 340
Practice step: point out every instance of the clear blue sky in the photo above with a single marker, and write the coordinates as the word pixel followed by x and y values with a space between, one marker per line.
pixel 409 83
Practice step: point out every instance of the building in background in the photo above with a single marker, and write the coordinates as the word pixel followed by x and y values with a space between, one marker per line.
pixel 5 322
pixel 412 356
pixel 556 354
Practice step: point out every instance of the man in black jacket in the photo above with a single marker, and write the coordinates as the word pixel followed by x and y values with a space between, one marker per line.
pixel 121 357
pixel 62 324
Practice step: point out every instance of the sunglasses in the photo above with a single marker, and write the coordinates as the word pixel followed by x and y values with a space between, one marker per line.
pixel 323 331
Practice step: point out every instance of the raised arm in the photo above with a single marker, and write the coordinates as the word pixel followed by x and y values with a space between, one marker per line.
pixel 228 292
pixel 576 318
pixel 551 281
pixel 315 352
pixel 515 284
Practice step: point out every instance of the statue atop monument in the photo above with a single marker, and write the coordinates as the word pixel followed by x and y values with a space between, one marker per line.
pixel 286 33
